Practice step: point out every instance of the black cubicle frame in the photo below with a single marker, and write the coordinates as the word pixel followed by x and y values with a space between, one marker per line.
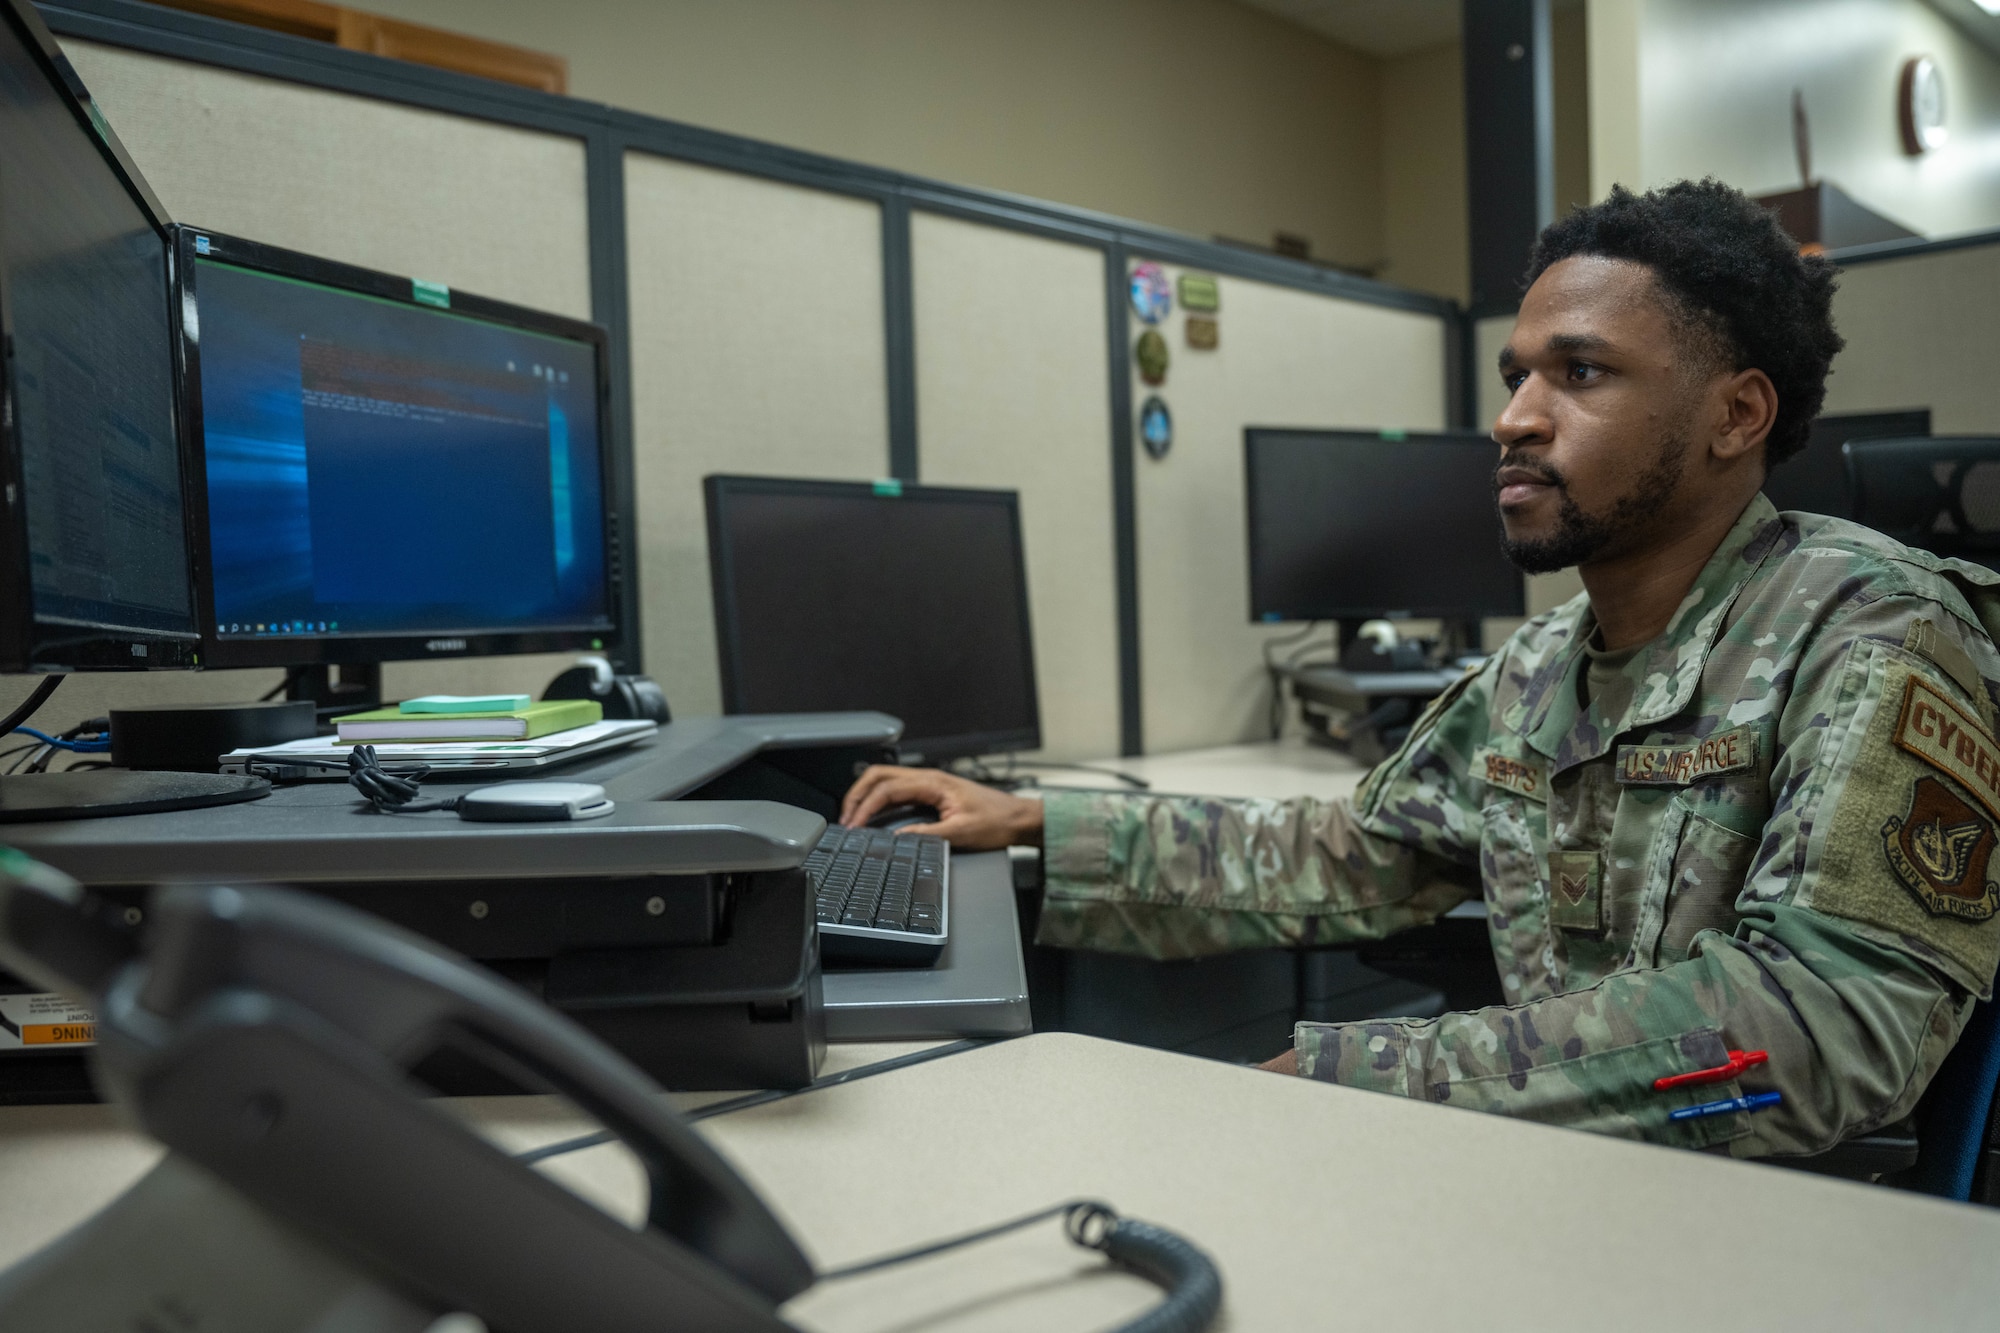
pixel 608 133
pixel 192 245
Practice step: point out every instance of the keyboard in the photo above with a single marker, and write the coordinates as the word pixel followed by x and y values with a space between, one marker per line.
pixel 880 896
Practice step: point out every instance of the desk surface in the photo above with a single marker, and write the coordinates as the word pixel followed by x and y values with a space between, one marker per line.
pixel 1272 769
pixel 1324 1206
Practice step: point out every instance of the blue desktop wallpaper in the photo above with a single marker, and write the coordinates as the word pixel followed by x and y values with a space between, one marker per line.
pixel 376 468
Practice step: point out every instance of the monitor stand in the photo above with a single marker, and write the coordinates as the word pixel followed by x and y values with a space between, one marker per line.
pixel 350 687
pixel 29 798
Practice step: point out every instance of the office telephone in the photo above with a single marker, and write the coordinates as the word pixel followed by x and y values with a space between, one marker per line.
pixel 267 1038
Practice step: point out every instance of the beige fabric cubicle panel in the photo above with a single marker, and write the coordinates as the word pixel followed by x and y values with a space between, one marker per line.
pixel 1012 392
pixel 1921 332
pixel 482 207
pixel 757 347
pixel 1286 358
pixel 1489 335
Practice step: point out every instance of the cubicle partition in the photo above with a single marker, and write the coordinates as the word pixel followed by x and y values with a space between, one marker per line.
pixel 756 337
pixel 1284 356
pixel 1922 322
pixel 1012 391
pixel 777 311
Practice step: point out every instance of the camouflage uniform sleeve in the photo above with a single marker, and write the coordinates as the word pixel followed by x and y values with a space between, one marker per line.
pixel 1838 966
pixel 1183 876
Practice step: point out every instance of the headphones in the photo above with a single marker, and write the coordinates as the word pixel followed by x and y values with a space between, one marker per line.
pixel 622 696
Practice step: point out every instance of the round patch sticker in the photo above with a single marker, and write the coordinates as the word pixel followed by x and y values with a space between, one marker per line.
pixel 1156 427
pixel 1151 354
pixel 1152 295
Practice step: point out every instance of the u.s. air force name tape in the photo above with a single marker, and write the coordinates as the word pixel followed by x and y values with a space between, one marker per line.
pixel 43 1021
pixel 1679 765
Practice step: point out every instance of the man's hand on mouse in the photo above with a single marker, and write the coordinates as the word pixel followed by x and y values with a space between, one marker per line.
pixel 971 816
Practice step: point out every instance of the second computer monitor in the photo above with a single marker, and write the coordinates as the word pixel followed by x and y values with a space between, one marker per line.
pixel 393 469
pixel 912 600
pixel 1358 524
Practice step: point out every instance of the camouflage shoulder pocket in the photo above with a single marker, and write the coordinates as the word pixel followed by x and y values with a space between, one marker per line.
pixel 1911 813
pixel 1369 794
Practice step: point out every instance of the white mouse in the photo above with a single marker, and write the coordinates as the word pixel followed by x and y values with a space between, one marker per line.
pixel 523 801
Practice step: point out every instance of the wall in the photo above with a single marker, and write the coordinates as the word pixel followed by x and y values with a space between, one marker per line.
pixel 1690 88
pixel 1424 210
pixel 1200 115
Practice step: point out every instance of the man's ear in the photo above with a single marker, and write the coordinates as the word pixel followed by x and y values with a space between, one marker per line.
pixel 1749 408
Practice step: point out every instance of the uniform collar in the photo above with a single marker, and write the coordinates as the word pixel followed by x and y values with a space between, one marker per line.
pixel 1663 673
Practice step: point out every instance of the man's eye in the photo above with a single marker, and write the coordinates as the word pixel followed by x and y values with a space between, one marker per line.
pixel 1582 372
pixel 1514 380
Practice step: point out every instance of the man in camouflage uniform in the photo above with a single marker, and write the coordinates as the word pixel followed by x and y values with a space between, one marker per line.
pixel 1743 794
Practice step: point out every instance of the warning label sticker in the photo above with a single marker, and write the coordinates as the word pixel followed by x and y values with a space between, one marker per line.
pixel 42 1021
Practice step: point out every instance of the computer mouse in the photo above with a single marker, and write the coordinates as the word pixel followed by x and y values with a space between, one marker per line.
pixel 906 813
pixel 510 802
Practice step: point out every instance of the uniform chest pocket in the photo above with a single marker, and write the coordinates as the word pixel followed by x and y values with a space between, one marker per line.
pixel 1699 872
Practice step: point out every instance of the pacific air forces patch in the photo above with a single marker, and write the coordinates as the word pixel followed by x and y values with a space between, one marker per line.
pixel 1940 848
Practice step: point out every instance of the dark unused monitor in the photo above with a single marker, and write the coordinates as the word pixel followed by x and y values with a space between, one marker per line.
pixel 391 469
pixel 94 562
pixel 1814 480
pixel 912 600
pixel 1355 524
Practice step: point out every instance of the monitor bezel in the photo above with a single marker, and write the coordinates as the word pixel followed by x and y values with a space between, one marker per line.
pixel 437 645
pixel 1261 614
pixel 27 641
pixel 719 489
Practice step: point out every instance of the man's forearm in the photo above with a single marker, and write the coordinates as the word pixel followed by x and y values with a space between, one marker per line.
pixel 1179 877
pixel 1852 1038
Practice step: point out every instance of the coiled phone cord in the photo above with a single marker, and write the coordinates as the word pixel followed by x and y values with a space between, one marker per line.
pixel 1193 1286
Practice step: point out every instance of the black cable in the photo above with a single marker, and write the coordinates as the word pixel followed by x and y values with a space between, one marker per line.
pixel 1132 780
pixel 395 793
pixel 36 698
pixel 1088 1209
pixel 1192 1284
pixel 274 691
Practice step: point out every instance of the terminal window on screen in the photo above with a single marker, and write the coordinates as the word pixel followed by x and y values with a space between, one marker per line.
pixel 376 468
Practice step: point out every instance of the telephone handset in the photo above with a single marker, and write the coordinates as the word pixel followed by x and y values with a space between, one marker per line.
pixel 266 1036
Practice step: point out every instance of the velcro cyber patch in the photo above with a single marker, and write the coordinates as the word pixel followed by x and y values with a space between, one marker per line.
pixel 1679 765
pixel 1951 740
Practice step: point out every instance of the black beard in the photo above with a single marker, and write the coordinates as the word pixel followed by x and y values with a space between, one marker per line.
pixel 1579 537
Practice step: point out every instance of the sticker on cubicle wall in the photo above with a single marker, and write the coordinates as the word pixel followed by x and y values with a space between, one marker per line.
pixel 1203 333
pixel 1156 426
pixel 1201 292
pixel 1152 297
pixel 1151 354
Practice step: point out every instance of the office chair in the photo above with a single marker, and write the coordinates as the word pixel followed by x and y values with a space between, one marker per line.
pixel 1939 493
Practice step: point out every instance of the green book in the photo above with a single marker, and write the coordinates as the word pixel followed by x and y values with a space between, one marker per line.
pixel 515 724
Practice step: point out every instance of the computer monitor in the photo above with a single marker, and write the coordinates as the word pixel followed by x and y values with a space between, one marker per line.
pixel 912 600
pixel 1350 525
pixel 94 567
pixel 1814 480
pixel 390 469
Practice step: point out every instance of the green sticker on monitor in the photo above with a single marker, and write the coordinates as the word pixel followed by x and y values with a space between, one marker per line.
pixel 1395 435
pixel 430 293
pixel 888 486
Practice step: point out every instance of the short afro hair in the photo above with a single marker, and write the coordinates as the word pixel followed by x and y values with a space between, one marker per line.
pixel 1736 280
